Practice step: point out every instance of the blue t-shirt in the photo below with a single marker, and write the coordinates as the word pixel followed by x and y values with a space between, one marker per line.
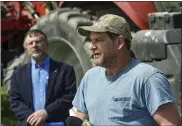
pixel 129 98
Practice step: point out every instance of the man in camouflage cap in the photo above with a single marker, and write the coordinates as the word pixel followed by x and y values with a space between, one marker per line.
pixel 114 28
pixel 121 90
pixel 108 23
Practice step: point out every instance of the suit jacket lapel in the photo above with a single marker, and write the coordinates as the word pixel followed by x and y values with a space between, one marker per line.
pixel 29 83
pixel 53 70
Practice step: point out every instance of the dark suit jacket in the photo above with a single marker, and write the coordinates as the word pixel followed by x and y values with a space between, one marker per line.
pixel 59 93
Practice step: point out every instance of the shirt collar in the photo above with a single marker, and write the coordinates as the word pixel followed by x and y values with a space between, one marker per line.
pixel 44 64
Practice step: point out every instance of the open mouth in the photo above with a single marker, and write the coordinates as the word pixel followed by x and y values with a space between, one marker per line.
pixel 96 55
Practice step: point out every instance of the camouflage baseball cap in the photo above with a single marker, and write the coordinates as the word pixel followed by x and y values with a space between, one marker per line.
pixel 108 23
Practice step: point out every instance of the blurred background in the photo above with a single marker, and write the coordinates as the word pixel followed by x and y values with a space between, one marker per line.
pixel 155 26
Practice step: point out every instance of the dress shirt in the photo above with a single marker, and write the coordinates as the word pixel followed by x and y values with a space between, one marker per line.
pixel 40 76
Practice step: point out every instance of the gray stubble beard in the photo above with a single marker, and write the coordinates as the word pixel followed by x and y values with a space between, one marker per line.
pixel 37 55
pixel 40 57
pixel 106 63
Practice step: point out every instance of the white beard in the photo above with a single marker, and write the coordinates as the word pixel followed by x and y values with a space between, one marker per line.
pixel 37 55
pixel 98 62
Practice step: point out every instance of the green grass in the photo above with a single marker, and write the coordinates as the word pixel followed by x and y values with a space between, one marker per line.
pixel 7 116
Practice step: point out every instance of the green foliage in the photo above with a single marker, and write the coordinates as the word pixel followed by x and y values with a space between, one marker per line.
pixel 7 116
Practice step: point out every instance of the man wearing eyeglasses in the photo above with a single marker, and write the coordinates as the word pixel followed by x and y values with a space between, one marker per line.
pixel 42 90
pixel 121 90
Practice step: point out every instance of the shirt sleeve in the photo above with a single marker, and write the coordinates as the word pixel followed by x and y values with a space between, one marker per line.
pixel 157 92
pixel 79 100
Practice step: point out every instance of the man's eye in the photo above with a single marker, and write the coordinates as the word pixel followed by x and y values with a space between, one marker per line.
pixel 39 42
pixel 30 43
pixel 98 40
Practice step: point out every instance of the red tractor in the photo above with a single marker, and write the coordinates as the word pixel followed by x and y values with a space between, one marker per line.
pixel 156 29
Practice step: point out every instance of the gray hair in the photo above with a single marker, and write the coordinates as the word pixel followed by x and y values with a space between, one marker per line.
pixel 34 32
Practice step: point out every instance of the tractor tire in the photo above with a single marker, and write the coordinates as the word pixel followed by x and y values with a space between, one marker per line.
pixel 165 54
pixel 12 66
pixel 65 44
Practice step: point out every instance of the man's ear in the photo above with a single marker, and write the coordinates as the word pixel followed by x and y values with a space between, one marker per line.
pixel 120 42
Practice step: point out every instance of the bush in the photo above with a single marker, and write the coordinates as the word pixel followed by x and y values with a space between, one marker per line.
pixel 7 116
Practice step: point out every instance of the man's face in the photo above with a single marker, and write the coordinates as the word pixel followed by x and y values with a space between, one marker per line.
pixel 103 48
pixel 36 46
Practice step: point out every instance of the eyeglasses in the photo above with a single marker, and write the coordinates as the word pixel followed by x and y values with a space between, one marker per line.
pixel 38 43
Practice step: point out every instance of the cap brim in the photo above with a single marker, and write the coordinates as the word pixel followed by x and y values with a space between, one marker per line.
pixel 85 30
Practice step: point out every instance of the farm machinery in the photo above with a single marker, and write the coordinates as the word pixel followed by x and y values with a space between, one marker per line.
pixel 156 30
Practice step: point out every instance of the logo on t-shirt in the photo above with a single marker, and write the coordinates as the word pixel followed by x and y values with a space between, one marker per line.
pixel 121 99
